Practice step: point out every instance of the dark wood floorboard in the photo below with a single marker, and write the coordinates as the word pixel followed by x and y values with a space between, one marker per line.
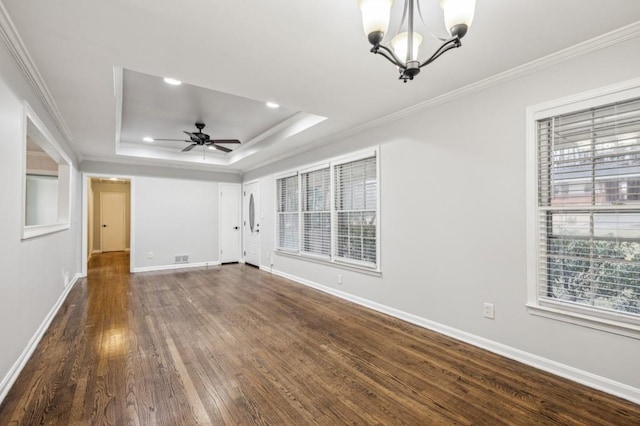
pixel 235 345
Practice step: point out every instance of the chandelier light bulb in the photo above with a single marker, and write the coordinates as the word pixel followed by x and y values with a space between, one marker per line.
pixel 400 44
pixel 458 12
pixel 375 18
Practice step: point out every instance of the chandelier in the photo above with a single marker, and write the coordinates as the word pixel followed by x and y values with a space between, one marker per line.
pixel 403 52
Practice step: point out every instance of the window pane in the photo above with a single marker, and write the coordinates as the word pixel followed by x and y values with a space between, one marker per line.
pixel 356 201
pixel 316 225
pixel 617 225
pixel 571 224
pixel 591 157
pixel 288 231
pixel 356 236
pixel 317 233
pixel 315 190
pixel 287 211
pixel 603 274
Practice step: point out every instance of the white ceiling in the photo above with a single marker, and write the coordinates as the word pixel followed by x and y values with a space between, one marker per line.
pixel 308 55
pixel 149 107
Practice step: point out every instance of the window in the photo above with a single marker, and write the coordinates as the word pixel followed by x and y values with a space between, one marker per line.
pixel 356 201
pixel 587 217
pixel 316 212
pixel 47 180
pixel 287 213
pixel 330 211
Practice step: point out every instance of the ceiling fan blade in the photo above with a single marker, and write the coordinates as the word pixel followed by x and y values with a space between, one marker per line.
pixel 226 141
pixel 190 147
pixel 221 148
pixel 195 137
pixel 176 140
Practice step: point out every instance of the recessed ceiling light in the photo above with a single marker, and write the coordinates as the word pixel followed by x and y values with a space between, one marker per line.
pixel 272 105
pixel 147 139
pixel 172 81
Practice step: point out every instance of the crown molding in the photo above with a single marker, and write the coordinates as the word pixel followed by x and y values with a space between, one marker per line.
pixel 12 39
pixel 584 48
pixel 154 162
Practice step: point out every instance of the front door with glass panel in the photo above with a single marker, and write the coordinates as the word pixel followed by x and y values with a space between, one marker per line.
pixel 251 223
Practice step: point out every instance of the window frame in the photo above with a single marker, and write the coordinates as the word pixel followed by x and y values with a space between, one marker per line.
pixel 613 322
pixel 332 259
pixel 65 178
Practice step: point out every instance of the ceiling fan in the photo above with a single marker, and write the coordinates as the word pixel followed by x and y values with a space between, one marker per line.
pixel 202 139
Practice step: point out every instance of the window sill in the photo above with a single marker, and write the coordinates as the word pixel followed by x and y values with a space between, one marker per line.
pixel 327 262
pixel 560 312
pixel 39 230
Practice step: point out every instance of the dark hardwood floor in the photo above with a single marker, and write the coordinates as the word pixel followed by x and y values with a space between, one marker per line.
pixel 235 345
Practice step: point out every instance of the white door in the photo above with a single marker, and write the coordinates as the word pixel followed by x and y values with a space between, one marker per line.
pixel 229 222
pixel 251 223
pixel 112 221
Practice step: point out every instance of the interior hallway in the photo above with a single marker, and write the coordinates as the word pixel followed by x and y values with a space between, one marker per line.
pixel 235 345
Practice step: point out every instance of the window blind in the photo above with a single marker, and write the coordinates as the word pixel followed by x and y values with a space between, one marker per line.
pixel 356 192
pixel 316 212
pixel 589 208
pixel 288 227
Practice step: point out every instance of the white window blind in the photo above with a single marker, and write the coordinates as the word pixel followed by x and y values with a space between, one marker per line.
pixel 329 211
pixel 287 213
pixel 589 209
pixel 356 192
pixel 316 212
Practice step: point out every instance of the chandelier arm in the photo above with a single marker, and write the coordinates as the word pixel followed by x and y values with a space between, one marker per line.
pixel 420 12
pixel 391 57
pixel 404 15
pixel 452 43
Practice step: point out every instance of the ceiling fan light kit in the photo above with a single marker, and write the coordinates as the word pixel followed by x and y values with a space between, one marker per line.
pixel 403 53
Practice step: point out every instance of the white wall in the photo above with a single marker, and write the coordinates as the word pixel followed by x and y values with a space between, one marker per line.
pixel 453 231
pixel 173 212
pixel 175 217
pixel 31 280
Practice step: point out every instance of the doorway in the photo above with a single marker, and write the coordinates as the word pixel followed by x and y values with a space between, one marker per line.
pixel 107 213
pixel 229 222
pixel 251 223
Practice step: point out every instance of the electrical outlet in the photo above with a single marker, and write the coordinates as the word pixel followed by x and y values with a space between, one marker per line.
pixel 150 255
pixel 489 311
pixel 340 279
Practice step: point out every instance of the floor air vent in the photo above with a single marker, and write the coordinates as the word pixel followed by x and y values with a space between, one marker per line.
pixel 182 258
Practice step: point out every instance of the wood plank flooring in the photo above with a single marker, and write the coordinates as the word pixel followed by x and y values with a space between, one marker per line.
pixel 235 345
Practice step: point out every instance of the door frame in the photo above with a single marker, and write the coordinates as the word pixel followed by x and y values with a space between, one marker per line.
pixel 124 219
pixel 85 220
pixel 240 198
pixel 244 185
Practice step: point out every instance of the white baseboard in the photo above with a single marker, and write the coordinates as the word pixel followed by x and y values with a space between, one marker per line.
pixel 17 367
pixel 583 377
pixel 176 266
